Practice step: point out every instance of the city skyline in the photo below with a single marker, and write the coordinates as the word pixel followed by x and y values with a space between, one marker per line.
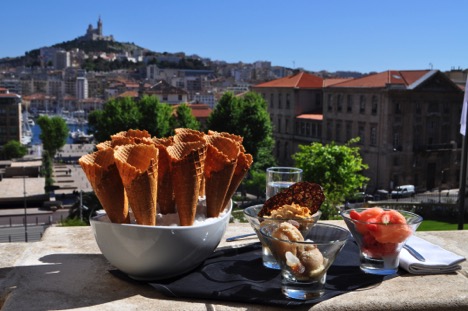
pixel 363 36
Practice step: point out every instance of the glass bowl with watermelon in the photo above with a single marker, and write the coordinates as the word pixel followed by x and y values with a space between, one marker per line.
pixel 380 234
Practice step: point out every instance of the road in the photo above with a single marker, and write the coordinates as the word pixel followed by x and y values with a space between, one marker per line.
pixel 12 228
pixel 19 234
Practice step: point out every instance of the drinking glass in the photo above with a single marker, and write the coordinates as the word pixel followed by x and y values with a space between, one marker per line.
pixel 279 178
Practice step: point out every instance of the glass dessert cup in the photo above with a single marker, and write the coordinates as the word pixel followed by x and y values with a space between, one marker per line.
pixel 304 264
pixel 380 242
pixel 251 214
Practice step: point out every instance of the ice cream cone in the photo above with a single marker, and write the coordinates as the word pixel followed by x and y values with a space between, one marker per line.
pixel 221 158
pixel 244 162
pixel 104 145
pixel 180 130
pixel 187 160
pixel 188 136
pixel 131 137
pixel 168 141
pixel 102 173
pixel 138 168
pixel 166 200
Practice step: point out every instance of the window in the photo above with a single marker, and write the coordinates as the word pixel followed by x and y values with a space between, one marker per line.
pixel 278 149
pixel 374 105
pixel 271 100
pixel 397 108
pixel 339 104
pixel 288 103
pixel 338 131
pixel 180 97
pixel 373 135
pixel 418 107
pixel 349 102
pixel 279 100
pixel 330 103
pixel 164 97
pixel 286 150
pixel 286 126
pixel 279 125
pixel 362 104
pixel 362 133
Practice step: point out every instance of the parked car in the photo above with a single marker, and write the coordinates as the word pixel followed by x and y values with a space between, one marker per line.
pixel 360 197
pixel 403 191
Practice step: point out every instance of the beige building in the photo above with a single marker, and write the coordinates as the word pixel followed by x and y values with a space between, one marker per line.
pixel 408 123
pixel 295 108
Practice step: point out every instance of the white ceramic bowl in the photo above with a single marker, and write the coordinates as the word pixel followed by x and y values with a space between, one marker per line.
pixel 158 252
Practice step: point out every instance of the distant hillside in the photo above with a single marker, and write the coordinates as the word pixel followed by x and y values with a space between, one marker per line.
pixel 98 46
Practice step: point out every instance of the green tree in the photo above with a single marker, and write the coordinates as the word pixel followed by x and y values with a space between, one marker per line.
pixel 120 114
pixel 337 168
pixel 154 116
pixel 246 116
pixel 183 117
pixel 224 117
pixel 54 133
pixel 14 149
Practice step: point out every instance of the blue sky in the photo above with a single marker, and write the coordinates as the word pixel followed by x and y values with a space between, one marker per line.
pixel 315 35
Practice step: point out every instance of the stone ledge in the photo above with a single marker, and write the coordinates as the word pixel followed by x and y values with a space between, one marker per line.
pixel 66 271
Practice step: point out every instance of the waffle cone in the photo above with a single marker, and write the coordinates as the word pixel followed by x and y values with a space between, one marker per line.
pixel 187 160
pixel 104 145
pixel 131 137
pixel 181 130
pixel 221 159
pixel 166 200
pixel 244 161
pixel 102 173
pixel 163 141
pixel 138 168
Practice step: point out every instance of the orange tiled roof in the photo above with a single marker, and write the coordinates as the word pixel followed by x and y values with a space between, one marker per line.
pixel 331 81
pixel 308 116
pixel 132 94
pixel 402 77
pixel 300 80
pixel 200 110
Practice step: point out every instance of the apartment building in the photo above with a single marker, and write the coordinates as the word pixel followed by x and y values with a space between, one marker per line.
pixel 166 93
pixel 10 116
pixel 408 122
pixel 295 107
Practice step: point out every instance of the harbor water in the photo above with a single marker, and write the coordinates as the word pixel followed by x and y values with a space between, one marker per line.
pixel 36 131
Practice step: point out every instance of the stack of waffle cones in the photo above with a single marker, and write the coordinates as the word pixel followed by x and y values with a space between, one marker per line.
pixel 102 173
pixel 138 168
pixel 167 175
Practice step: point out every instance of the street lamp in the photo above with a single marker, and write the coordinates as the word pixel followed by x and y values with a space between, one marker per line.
pixel 25 208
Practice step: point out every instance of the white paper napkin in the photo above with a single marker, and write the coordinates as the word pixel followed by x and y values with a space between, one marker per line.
pixel 438 260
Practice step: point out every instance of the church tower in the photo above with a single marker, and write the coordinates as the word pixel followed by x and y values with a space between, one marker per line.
pixel 99 27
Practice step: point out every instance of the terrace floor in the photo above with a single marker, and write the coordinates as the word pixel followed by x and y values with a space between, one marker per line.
pixel 66 271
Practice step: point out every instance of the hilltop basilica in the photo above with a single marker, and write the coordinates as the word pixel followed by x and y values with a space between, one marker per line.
pixel 95 34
